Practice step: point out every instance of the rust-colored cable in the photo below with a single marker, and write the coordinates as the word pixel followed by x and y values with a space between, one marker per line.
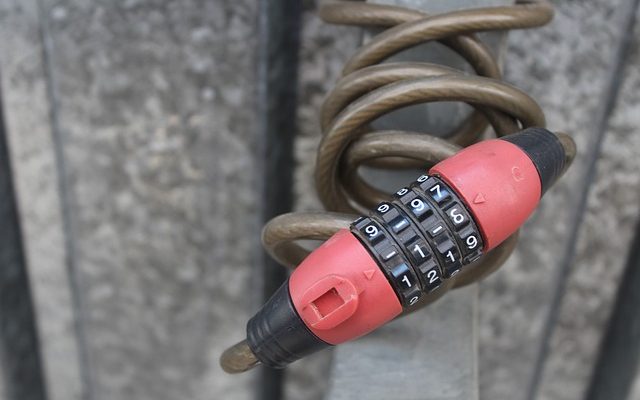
pixel 369 90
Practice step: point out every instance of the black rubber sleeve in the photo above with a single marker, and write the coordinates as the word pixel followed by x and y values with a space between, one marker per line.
pixel 277 335
pixel 545 150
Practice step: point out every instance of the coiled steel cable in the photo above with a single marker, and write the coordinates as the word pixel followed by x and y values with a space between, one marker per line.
pixel 369 90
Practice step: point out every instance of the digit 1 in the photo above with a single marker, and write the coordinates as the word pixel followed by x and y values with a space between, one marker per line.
pixel 419 250
pixel 450 256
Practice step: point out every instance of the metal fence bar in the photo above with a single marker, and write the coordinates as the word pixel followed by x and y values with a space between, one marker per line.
pixel 279 28
pixel 616 367
pixel 19 348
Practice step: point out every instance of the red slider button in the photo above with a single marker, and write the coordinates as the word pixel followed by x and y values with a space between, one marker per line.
pixel 329 302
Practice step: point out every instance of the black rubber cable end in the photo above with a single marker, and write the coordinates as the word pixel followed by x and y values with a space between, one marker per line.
pixel 546 152
pixel 277 335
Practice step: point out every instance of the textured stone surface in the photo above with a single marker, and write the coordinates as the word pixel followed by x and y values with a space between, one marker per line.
pixel 2 388
pixel 160 153
pixel 152 101
pixel 603 244
pixel 324 50
pixel 159 146
pixel 27 119
pixel 430 354
pixel 564 66
pixel 635 391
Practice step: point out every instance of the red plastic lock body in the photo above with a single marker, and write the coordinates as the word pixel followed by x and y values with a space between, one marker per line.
pixel 499 184
pixel 340 292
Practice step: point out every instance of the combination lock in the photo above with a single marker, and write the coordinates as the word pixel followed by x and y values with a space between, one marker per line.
pixel 423 236
pixel 407 247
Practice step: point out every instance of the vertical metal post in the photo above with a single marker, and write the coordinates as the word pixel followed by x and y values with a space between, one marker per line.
pixel 20 361
pixel 278 61
pixel 617 364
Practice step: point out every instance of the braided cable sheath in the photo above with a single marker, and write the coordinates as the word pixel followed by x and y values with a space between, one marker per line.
pixel 368 90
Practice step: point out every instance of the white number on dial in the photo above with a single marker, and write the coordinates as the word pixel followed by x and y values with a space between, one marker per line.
pixel 450 256
pixel 436 189
pixel 432 275
pixel 417 204
pixel 419 250
pixel 371 230
pixel 458 218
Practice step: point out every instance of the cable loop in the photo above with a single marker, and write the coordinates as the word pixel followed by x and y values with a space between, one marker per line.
pixel 370 88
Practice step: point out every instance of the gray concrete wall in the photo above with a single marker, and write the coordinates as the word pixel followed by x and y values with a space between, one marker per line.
pixel 635 391
pixel 134 152
pixel 604 238
pixel 141 268
pixel 27 118
pixel 569 67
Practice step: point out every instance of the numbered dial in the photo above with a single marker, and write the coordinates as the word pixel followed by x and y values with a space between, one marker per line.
pixel 424 236
pixel 396 266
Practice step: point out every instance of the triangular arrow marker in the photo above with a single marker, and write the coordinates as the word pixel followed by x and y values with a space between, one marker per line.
pixel 479 199
pixel 369 273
